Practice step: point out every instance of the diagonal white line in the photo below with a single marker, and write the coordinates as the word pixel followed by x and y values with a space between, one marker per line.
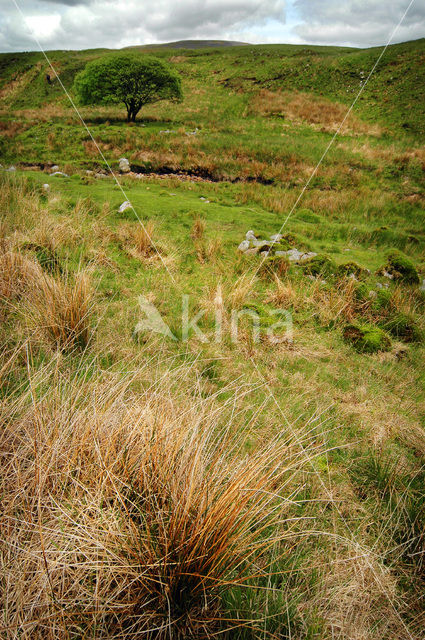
pixel 316 168
pixel 90 134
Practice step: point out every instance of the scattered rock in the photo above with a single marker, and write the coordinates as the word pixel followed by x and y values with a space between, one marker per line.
pixel 124 165
pixel 46 187
pixel 252 251
pixel 277 237
pixel 261 244
pixel 294 255
pixel 192 133
pixel 11 168
pixel 125 205
pixel 379 285
pixel 244 246
pixel 387 275
pixel 250 236
pixel 60 173
pixel 54 168
pixel 89 172
pixel 422 287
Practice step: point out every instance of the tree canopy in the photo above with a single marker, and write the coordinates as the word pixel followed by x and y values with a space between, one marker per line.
pixel 132 79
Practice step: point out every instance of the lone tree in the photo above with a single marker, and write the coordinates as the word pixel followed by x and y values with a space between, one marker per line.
pixel 128 78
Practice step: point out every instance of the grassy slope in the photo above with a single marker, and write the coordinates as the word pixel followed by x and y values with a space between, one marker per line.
pixel 366 198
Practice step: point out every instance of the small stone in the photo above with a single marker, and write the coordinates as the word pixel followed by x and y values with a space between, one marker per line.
pixel 60 173
pixel 294 255
pixel 379 285
pixel 46 187
pixel 250 236
pixel 307 256
pixel 89 172
pixel 352 276
pixel 124 165
pixel 11 168
pixel 277 237
pixel 54 168
pixel 388 275
pixel 372 294
pixel 280 254
pixel 244 246
pixel 422 287
pixel 261 244
pixel 125 205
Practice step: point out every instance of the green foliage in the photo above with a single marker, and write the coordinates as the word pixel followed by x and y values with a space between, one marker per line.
pixel 366 338
pixel 347 268
pixel 320 265
pixel 361 292
pixel 399 495
pixel 272 265
pixel 383 300
pixel 46 257
pixel 127 78
pixel 403 325
pixel 401 267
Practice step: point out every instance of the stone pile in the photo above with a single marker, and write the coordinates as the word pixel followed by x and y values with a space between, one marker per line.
pixel 272 247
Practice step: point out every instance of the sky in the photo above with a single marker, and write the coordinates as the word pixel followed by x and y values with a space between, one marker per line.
pixel 84 24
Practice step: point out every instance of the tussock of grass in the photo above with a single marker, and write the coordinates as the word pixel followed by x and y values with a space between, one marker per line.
pixel 130 514
pixel 61 310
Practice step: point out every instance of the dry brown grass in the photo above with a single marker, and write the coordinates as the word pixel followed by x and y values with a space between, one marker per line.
pixel 323 114
pixel 358 600
pixel 127 514
pixel 198 228
pixel 144 238
pixel 61 310
pixel 283 295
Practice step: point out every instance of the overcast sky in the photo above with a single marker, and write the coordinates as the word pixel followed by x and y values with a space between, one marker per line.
pixel 82 24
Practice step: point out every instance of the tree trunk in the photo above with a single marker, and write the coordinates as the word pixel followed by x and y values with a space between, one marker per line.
pixel 132 111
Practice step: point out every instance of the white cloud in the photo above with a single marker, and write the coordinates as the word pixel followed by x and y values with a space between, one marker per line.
pixel 358 22
pixel 80 24
pixel 115 23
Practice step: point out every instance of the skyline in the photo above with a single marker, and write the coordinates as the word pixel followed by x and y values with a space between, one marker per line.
pixel 83 24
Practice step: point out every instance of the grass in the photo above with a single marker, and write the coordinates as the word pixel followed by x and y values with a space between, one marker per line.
pixel 193 488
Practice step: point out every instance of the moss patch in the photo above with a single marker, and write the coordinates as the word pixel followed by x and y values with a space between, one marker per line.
pixel 401 267
pixel 320 265
pixel 278 265
pixel 366 338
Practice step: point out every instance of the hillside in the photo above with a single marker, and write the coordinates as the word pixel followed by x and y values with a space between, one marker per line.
pixel 258 473
pixel 193 44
